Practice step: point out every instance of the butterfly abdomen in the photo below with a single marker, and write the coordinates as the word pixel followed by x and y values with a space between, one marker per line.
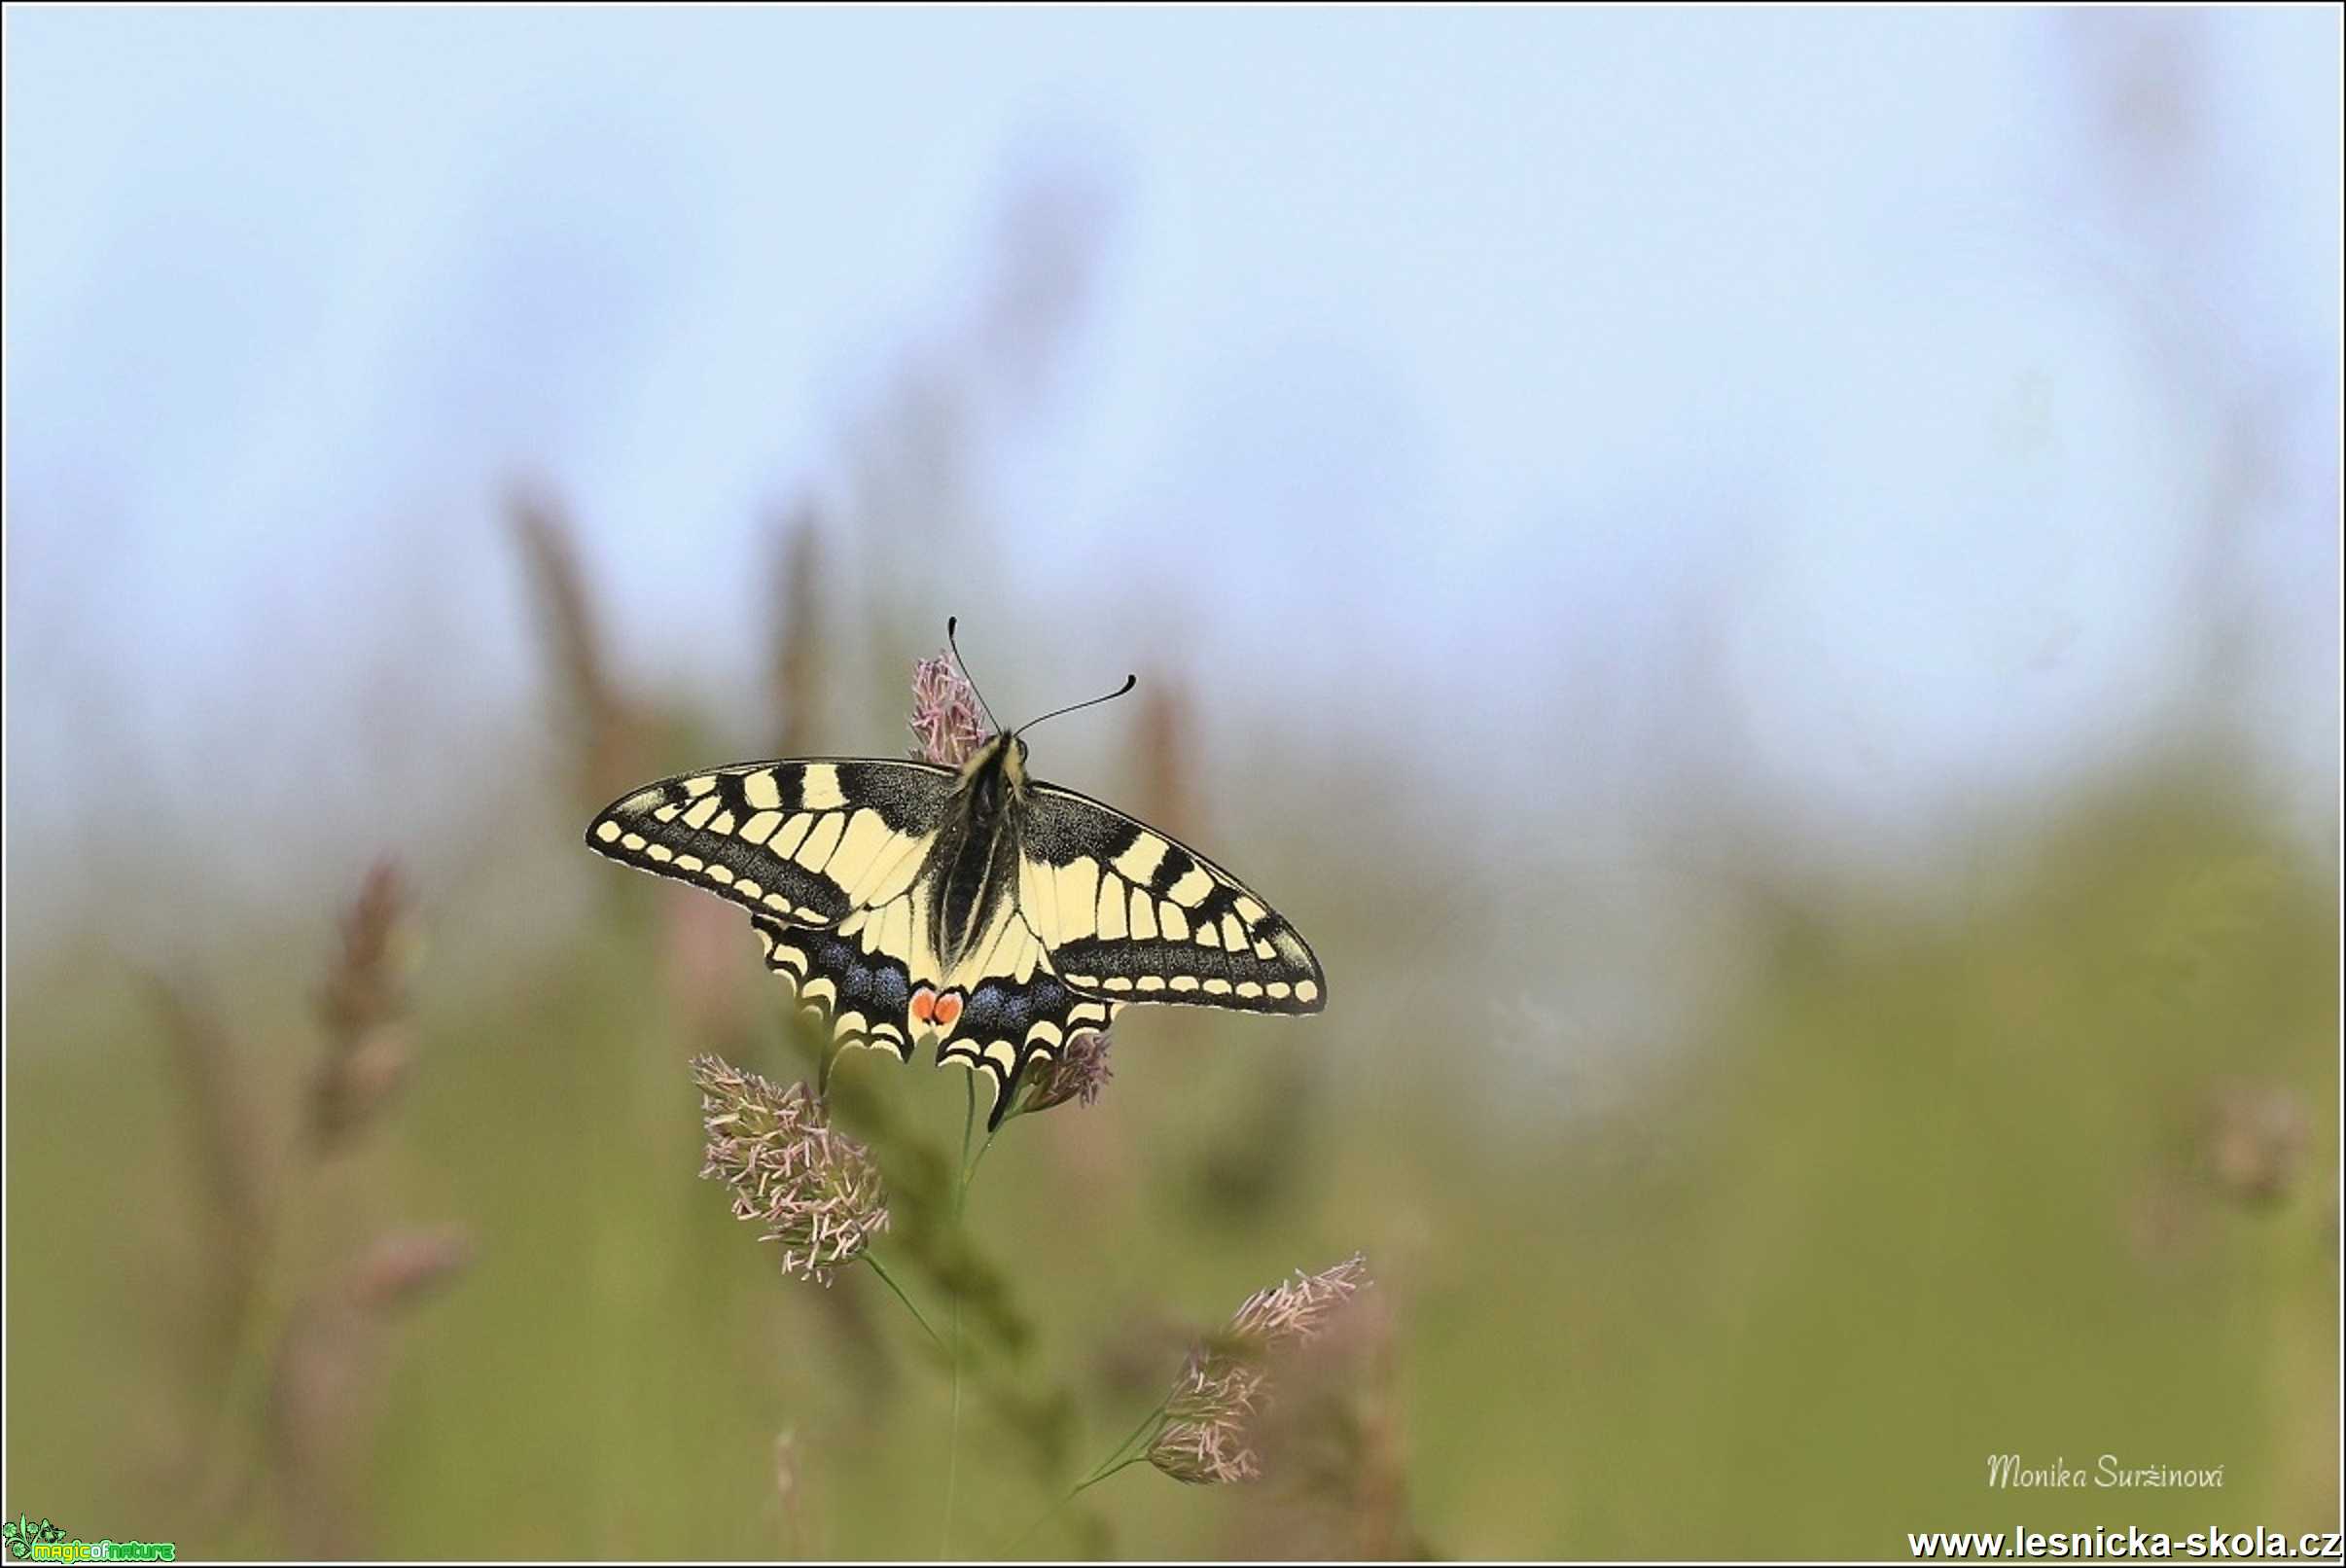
pixel 976 874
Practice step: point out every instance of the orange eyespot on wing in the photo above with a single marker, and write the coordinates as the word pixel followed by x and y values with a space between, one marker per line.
pixel 930 1010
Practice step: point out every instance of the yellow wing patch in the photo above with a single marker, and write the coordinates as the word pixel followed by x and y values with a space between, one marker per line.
pixel 1123 911
pixel 805 842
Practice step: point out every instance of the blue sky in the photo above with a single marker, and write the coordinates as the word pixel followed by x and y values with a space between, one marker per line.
pixel 1423 343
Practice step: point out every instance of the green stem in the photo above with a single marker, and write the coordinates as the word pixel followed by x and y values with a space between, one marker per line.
pixel 889 1280
pixel 1146 1425
pixel 1078 1490
pixel 1119 1457
pixel 961 1192
pixel 971 1174
pixel 1084 1487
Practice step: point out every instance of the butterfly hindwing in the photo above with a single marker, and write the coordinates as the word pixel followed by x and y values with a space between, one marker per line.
pixel 859 992
pixel 807 842
pixel 1009 1024
pixel 1129 915
pixel 1016 1013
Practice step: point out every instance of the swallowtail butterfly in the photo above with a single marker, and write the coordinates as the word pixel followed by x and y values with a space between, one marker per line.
pixel 978 907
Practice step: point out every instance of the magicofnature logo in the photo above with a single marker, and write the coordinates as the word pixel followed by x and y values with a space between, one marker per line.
pixel 31 1541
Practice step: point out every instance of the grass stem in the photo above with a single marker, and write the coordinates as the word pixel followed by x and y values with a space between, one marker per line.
pixel 889 1280
pixel 963 1169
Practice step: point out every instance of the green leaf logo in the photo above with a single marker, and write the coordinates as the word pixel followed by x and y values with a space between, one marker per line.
pixel 21 1533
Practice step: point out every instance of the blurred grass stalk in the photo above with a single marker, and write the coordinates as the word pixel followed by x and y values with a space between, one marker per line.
pixel 308 1355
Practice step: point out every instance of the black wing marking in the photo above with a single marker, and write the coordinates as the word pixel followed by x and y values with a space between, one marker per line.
pixel 1130 914
pixel 810 842
pixel 850 977
pixel 1012 1019
pixel 859 993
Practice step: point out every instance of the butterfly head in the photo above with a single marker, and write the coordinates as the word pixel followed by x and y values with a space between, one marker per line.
pixel 995 774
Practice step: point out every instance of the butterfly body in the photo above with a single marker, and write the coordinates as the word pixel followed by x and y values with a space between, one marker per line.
pixel 978 910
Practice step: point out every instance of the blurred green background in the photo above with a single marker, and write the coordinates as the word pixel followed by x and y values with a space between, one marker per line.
pixel 1792 1035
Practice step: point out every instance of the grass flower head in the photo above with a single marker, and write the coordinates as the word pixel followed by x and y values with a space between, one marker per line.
pixel 1208 1434
pixel 947 719
pixel 813 1189
pixel 1078 1072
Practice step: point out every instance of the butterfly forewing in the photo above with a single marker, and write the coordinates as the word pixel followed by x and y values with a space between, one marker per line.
pixel 1133 915
pixel 808 842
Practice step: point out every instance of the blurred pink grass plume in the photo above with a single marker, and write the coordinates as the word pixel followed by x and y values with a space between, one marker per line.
pixel 1227 1385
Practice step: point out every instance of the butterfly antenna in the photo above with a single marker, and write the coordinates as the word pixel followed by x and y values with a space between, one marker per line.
pixel 950 623
pixel 1130 681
